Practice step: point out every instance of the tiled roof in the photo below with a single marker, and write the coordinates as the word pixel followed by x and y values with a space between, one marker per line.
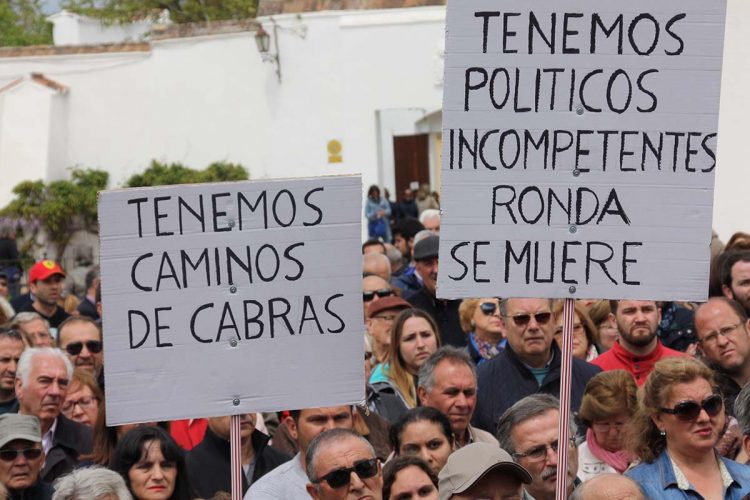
pixel 271 7
pixel 41 80
pixel 60 50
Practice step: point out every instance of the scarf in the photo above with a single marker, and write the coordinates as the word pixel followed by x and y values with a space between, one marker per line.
pixel 618 460
pixel 484 348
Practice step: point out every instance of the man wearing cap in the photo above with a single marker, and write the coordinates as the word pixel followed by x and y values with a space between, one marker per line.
pixel 444 312
pixel 46 280
pixel 42 379
pixel 21 457
pixel 481 470
pixel 380 316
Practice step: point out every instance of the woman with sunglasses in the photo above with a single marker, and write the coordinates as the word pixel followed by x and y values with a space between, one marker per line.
pixel 414 337
pixel 608 404
pixel 480 319
pixel 426 433
pixel 585 334
pixel 152 464
pixel 674 432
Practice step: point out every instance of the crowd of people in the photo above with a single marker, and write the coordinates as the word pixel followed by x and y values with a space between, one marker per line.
pixel 460 401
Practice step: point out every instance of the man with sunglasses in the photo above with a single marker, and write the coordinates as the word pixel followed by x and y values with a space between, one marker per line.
pixel 341 464
pixel 21 457
pixel 638 348
pixel 42 381
pixel 721 326
pixel 81 338
pixel 529 364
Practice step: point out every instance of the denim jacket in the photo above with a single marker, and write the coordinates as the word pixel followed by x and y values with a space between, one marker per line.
pixel 658 480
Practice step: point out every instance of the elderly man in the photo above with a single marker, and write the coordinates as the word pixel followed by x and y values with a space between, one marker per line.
pixel 448 382
pixel 735 278
pixel 380 316
pixel 11 347
pixel 376 264
pixel 529 432
pixel 46 280
pixel 81 338
pixel 21 457
pixel 608 487
pixel 481 470
pixel 530 362
pixel 430 219
pixel 444 312
pixel 342 464
pixel 42 379
pixel 92 483
pixel 723 339
pixel 289 479
pixel 637 348
pixel 209 463
pixel 34 328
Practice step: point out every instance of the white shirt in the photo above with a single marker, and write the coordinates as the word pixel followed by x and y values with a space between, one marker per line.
pixel 285 482
pixel 49 438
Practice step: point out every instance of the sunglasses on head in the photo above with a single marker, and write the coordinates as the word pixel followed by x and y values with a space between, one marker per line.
pixel 488 308
pixel 338 478
pixel 383 292
pixel 75 348
pixel 689 410
pixel 541 318
pixel 28 453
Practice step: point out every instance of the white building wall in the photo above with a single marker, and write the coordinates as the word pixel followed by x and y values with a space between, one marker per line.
pixel 72 29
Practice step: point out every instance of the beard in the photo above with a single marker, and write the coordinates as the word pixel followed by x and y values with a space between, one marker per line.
pixel 638 340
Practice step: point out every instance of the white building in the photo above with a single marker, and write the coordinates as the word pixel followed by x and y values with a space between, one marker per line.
pixel 347 91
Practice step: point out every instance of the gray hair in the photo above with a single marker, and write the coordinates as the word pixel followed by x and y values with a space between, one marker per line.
pixel 394 255
pixel 607 485
pixel 424 233
pixel 323 439
pixel 26 317
pixel 24 363
pixel 370 260
pixel 92 483
pixel 429 213
pixel 742 409
pixel 446 353
pixel 504 306
pixel 526 409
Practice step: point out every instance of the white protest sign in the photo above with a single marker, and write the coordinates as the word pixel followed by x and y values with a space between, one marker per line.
pixel 230 298
pixel 579 148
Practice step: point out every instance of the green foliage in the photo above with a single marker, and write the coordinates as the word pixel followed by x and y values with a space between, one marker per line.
pixel 60 208
pixel 162 174
pixel 22 22
pixel 180 11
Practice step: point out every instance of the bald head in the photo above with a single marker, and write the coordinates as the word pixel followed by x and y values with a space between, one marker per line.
pixel 608 487
pixel 377 264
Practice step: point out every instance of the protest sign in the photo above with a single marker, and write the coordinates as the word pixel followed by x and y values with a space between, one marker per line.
pixel 229 298
pixel 579 148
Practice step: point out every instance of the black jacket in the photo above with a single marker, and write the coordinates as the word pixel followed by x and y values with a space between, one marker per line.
pixel 209 464
pixel 71 441
pixel 445 314
pixel 504 380
pixel 39 491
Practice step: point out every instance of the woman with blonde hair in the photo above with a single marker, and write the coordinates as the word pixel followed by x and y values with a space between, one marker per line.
pixel 678 422
pixel 608 404
pixel 414 337
pixel 480 320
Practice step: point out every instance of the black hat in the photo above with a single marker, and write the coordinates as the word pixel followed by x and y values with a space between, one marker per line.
pixel 427 248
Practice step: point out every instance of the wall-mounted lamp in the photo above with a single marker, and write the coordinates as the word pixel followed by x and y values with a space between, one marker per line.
pixel 263 41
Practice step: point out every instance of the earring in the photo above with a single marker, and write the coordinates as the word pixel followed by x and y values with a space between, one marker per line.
pixel 473 324
pixel 662 432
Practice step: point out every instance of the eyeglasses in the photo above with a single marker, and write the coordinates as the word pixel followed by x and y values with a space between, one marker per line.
pixel 522 320
pixel 383 292
pixel 28 453
pixel 339 478
pixel 577 328
pixel 386 317
pixel 488 308
pixel 10 332
pixel 75 348
pixel 689 410
pixel 713 337
pixel 83 403
pixel 540 452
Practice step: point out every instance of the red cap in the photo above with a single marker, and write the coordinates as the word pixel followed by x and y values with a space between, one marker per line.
pixel 44 269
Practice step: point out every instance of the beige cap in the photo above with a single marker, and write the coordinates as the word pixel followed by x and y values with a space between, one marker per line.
pixel 14 426
pixel 469 464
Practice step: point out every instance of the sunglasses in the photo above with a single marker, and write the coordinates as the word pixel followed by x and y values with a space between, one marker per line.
pixel 28 453
pixel 488 308
pixel 689 410
pixel 541 318
pixel 365 469
pixel 75 348
pixel 383 292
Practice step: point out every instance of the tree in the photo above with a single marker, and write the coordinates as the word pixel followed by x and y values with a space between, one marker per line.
pixel 22 22
pixel 180 11
pixel 59 208
pixel 162 174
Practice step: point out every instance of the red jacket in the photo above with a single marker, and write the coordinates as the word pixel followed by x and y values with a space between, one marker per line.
pixel 639 367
